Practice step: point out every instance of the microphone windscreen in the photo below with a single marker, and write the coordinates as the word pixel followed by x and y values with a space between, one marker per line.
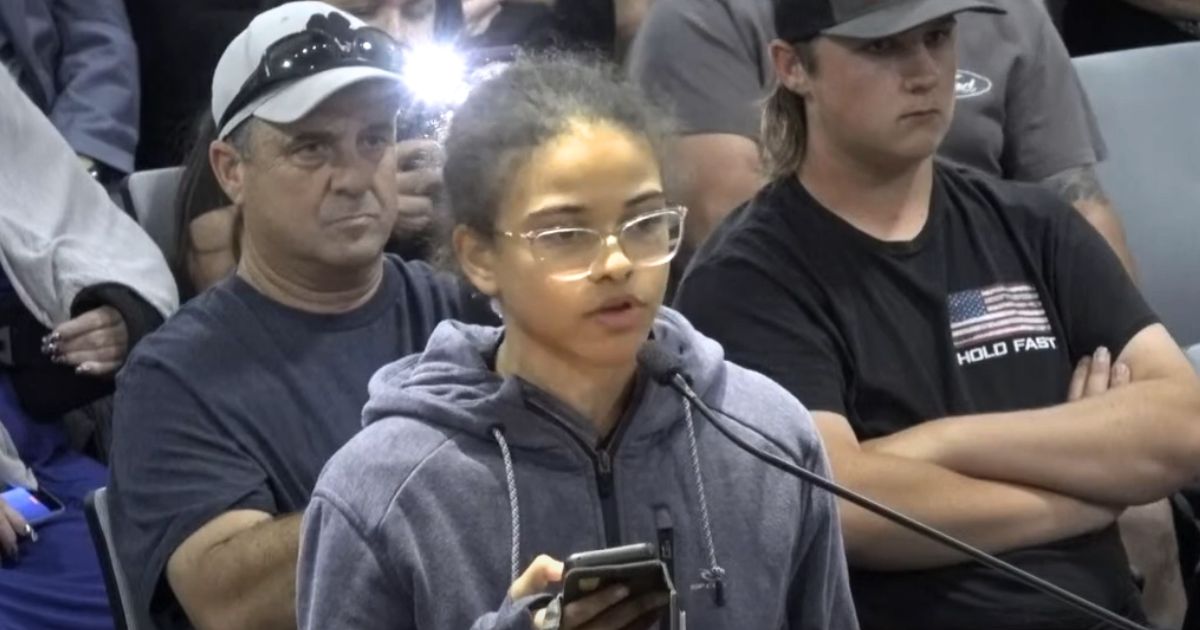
pixel 659 363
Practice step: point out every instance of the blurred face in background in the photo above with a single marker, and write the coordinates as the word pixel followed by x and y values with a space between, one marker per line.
pixel 410 22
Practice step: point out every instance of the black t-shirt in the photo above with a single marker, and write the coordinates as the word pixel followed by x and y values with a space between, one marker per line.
pixel 237 402
pixel 1099 26
pixel 986 310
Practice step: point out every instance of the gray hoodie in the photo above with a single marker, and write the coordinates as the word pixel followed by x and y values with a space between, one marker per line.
pixel 462 477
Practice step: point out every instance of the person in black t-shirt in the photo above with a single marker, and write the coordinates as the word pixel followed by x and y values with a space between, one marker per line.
pixel 225 417
pixel 973 353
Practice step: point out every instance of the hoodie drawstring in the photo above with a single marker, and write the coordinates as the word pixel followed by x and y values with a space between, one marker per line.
pixel 514 506
pixel 714 574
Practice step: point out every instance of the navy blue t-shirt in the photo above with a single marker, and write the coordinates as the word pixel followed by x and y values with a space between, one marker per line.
pixel 237 402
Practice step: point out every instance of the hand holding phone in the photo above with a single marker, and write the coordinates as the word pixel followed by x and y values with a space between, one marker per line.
pixel 615 588
pixel 614 607
pixel 34 506
pixel 635 566
pixel 13 525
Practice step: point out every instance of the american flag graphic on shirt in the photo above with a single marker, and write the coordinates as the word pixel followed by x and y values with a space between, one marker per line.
pixel 995 312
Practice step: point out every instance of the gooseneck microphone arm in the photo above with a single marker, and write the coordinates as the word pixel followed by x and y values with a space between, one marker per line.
pixel 665 369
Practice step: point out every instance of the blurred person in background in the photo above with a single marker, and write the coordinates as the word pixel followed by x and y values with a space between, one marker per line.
pixel 76 60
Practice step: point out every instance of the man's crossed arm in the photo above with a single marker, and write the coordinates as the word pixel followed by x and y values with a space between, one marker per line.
pixel 1130 445
pixel 1128 434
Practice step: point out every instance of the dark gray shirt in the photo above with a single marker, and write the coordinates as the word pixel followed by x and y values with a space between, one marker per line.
pixel 238 402
pixel 1021 111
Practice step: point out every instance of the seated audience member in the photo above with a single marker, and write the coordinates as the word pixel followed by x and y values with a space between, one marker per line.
pixel 1021 112
pixel 503 448
pixel 225 416
pixel 1098 26
pixel 207 228
pixel 974 353
pixel 80 284
pixel 77 61
pixel 207 225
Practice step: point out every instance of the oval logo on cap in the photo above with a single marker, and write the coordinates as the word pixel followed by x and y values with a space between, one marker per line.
pixel 969 84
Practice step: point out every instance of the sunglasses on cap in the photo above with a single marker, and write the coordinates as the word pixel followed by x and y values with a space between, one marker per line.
pixel 327 42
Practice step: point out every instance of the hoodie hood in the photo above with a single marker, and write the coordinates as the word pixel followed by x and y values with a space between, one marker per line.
pixel 451 383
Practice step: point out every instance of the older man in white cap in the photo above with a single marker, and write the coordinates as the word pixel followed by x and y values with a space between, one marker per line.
pixel 226 416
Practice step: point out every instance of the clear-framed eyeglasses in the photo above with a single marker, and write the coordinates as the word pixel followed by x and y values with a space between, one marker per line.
pixel 649 239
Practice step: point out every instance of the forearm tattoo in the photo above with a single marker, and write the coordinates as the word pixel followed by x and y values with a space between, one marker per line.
pixel 1077 184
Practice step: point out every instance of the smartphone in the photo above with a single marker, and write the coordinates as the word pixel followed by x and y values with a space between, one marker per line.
pixel 636 566
pixel 36 507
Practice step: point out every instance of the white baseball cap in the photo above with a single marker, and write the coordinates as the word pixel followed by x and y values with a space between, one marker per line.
pixel 292 100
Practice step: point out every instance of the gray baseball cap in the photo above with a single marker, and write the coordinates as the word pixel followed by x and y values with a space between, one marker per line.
pixel 802 20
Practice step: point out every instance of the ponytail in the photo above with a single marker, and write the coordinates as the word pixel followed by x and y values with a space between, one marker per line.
pixel 784 132
pixel 785 124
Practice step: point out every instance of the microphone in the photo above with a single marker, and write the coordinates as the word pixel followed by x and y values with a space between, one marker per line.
pixel 666 368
